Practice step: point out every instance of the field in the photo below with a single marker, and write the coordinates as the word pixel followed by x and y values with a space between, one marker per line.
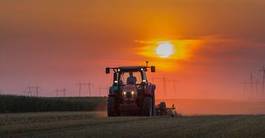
pixel 96 124
pixel 21 104
pixel 86 117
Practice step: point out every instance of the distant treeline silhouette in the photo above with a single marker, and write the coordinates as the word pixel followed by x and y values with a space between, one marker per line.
pixel 16 104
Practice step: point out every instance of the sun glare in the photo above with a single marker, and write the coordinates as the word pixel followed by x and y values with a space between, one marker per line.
pixel 164 49
pixel 168 54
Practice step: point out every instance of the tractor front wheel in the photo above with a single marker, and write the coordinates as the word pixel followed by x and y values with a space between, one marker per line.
pixel 112 111
pixel 148 106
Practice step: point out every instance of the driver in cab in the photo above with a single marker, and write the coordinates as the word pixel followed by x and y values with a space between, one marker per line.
pixel 131 79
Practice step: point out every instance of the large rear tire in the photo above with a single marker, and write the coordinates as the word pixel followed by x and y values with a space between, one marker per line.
pixel 147 106
pixel 112 111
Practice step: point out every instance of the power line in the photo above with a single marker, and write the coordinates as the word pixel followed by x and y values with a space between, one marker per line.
pixel 251 81
pixel 64 92
pixel 254 83
pixel 102 91
pixel 245 86
pixel 89 85
pixel 60 92
pixel 32 91
pixel 263 79
pixel 164 84
pixel 57 92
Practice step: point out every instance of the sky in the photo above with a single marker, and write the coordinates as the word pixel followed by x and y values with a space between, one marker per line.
pixel 56 44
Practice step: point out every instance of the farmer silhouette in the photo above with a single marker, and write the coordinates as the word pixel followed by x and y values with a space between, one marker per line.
pixel 131 79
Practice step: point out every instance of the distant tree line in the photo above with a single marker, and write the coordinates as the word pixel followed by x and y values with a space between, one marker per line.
pixel 16 104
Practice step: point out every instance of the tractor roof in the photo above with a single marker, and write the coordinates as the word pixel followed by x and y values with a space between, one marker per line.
pixel 131 68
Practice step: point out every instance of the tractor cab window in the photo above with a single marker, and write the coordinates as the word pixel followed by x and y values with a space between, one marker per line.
pixel 131 78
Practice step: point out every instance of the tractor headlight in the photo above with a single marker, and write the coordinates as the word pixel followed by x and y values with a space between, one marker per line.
pixel 128 93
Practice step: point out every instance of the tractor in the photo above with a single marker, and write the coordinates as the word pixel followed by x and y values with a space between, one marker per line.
pixel 131 92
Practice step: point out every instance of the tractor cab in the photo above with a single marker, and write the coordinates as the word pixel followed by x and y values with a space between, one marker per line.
pixel 121 75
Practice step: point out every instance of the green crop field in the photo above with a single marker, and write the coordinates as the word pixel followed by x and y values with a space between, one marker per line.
pixel 18 104
pixel 96 124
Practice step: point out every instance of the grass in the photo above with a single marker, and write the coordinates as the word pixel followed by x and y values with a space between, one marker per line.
pixel 96 124
pixel 18 104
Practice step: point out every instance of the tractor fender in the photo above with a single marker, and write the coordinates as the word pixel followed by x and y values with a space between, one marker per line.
pixel 112 91
pixel 150 89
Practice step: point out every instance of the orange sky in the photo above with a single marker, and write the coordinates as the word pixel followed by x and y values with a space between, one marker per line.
pixel 55 43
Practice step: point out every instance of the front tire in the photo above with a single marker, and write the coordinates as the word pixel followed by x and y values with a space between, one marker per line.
pixel 148 106
pixel 112 111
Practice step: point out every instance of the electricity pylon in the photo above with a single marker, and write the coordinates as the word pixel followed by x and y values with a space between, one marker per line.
pixel 164 83
pixel 263 79
pixel 32 91
pixel 60 92
pixel 89 85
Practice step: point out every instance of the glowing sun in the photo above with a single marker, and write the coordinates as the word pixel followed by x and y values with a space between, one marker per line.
pixel 164 49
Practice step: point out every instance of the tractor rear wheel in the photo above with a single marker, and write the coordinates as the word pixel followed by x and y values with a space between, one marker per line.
pixel 112 111
pixel 148 106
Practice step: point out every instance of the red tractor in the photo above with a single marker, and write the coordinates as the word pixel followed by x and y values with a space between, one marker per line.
pixel 131 92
